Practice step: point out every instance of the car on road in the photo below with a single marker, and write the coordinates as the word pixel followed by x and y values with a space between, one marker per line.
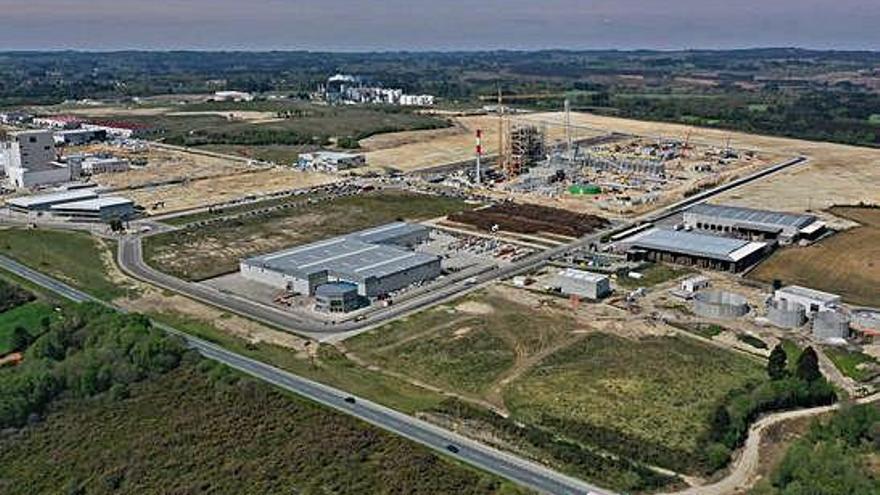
pixel 452 448
pixel 350 399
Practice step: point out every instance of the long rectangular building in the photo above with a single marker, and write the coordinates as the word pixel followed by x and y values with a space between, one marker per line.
pixel 43 202
pixel 688 248
pixel 374 260
pixel 737 221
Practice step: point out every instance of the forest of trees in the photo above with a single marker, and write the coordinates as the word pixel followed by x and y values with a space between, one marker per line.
pixel 90 350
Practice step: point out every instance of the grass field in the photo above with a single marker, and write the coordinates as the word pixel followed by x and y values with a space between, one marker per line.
pixel 855 365
pixel 28 316
pixel 653 397
pixel 654 274
pixel 847 263
pixel 201 253
pixel 205 430
pixel 468 347
pixel 648 399
pixel 73 257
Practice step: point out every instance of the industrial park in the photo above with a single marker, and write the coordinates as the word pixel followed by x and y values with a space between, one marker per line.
pixel 563 299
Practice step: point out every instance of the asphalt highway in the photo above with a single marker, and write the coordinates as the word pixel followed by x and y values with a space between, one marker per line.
pixel 506 465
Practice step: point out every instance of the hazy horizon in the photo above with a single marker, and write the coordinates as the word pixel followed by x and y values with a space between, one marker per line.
pixel 453 25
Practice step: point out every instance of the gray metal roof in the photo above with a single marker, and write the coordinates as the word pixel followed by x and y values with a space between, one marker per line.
pixel 389 233
pixel 52 198
pixel 706 246
pixel 96 204
pixel 346 256
pixel 750 215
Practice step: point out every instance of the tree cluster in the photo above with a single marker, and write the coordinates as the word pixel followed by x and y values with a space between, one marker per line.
pixel 88 351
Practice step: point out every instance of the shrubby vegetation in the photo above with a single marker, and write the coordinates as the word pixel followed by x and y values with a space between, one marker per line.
pixel 573 457
pixel 833 458
pixel 89 351
pixel 12 296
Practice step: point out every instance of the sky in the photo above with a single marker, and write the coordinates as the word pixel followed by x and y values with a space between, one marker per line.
pixel 367 25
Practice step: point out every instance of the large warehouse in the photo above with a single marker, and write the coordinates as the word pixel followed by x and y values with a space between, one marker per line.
pixel 376 260
pixel 749 223
pixel 687 248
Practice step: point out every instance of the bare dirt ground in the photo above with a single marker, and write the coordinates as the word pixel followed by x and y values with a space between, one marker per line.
pixel 219 189
pixel 836 173
pixel 252 117
pixel 163 164
pixel 424 149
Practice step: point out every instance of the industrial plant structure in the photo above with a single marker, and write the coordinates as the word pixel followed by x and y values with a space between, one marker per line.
pixel 29 159
pixel 376 260
pixel 688 248
pixel 735 221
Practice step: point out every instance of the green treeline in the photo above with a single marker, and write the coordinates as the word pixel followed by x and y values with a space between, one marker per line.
pixel 834 458
pixel 729 425
pixel 88 351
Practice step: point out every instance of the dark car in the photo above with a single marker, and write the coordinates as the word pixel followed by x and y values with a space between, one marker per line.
pixel 350 400
pixel 452 448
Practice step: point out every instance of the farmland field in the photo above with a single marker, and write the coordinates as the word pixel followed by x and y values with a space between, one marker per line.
pixel 855 276
pixel 200 253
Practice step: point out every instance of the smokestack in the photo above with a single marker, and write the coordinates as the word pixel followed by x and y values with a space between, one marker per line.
pixel 479 150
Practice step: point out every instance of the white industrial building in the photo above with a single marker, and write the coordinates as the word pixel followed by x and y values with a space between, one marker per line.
pixel 811 300
pixel 236 96
pixel 579 283
pixel 330 161
pixel 29 160
pixel 693 284
pixel 376 260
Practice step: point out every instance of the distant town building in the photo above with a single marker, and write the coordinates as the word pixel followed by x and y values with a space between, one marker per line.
pixel 237 96
pixel 351 90
pixel 330 161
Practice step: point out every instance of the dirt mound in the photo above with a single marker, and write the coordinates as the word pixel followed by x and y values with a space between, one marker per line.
pixel 531 219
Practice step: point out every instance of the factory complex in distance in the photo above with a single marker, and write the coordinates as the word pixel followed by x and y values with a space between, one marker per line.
pixel 375 262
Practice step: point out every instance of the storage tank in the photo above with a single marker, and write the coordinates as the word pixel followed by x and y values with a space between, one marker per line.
pixel 720 304
pixel 828 325
pixel 785 315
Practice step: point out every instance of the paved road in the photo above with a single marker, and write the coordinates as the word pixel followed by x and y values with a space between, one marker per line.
pixel 506 465
pixel 130 259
